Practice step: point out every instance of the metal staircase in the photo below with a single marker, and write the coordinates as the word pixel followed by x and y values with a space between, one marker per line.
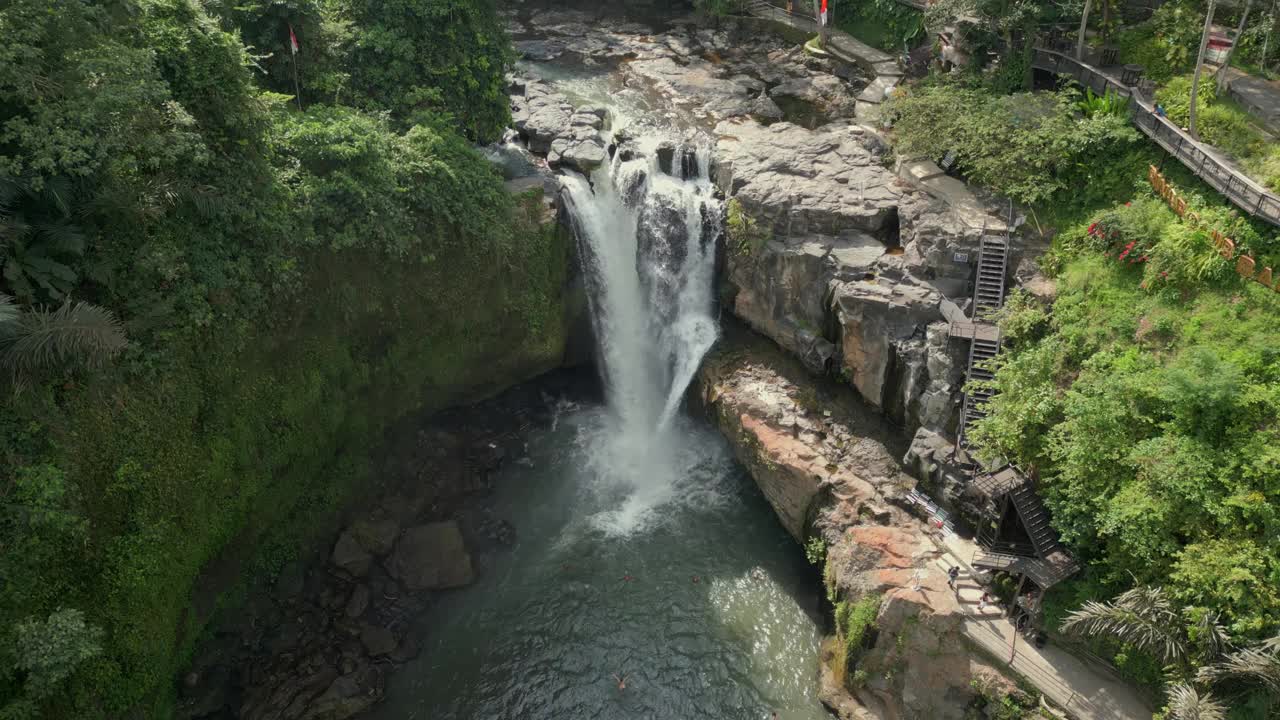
pixel 988 297
pixel 989 286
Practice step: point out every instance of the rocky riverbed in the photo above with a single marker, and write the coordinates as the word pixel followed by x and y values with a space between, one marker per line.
pixel 319 641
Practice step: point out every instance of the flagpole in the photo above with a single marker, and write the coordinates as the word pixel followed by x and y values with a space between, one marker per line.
pixel 297 89
pixel 293 50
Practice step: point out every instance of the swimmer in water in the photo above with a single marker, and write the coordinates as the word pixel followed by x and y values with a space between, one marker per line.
pixel 622 681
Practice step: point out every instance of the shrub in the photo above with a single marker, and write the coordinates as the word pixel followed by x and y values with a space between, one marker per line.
pixel 1029 147
pixel 815 550
pixel 854 623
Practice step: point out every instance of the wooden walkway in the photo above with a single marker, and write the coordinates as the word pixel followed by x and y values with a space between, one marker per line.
pixel 1210 165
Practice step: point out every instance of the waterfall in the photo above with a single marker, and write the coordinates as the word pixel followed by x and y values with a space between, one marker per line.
pixel 647 238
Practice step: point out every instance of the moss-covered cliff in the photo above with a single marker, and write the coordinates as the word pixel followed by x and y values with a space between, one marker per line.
pixel 292 275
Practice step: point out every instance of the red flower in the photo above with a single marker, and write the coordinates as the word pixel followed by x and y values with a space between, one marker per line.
pixel 1128 204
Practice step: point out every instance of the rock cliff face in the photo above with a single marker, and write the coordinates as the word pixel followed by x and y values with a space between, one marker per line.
pixel 845 265
pixel 828 475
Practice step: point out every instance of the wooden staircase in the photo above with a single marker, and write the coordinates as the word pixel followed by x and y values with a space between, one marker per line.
pixel 1035 519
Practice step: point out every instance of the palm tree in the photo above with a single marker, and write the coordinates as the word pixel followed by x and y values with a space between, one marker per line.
pixel 1257 665
pixel 35 339
pixel 1187 704
pixel 1146 618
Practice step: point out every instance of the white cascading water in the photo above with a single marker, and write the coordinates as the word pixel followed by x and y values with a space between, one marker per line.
pixel 647 240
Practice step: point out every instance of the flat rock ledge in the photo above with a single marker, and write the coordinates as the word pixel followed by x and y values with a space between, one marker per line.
pixel 827 477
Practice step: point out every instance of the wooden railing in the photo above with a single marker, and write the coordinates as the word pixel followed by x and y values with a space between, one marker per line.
pixel 1241 190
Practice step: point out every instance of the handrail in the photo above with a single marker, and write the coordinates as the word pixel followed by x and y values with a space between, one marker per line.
pixel 1237 187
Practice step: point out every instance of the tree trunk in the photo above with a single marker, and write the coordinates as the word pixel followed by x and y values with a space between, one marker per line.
pixel 1226 63
pixel 1195 81
pixel 1084 24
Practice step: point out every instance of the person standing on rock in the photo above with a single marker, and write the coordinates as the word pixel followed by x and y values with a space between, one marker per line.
pixel 952 576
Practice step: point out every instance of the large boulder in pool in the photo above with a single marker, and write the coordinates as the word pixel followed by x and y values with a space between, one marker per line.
pixel 431 557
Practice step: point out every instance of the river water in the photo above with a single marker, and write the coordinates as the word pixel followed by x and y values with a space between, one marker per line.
pixel 684 585
pixel 644 553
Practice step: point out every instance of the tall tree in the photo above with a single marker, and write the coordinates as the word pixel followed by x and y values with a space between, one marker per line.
pixel 1195 80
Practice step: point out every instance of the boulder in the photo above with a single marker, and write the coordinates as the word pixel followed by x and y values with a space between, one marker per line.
pixel 874 317
pixel 377 640
pixel 358 602
pixel 546 116
pixel 666 153
pixel 376 534
pixel 1029 277
pixel 781 287
pixel 430 557
pixel 764 108
pixel 345 698
pixel 806 182
pixel 350 556
pixel 931 460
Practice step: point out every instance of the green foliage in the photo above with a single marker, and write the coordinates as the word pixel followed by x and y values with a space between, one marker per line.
pixel 1111 103
pixel 1030 147
pixel 293 283
pixel 715 8
pixel 744 232
pixel 1151 415
pixel 1166 45
pixel 1223 124
pixel 40 239
pixel 46 653
pixel 41 339
pixel 854 623
pixel 885 24
pixel 815 550
pixel 433 56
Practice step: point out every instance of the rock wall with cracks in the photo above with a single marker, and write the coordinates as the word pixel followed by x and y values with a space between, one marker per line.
pixel 846 265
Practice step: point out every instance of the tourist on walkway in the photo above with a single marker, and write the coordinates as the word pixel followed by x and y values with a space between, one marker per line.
pixel 952 576
pixel 982 602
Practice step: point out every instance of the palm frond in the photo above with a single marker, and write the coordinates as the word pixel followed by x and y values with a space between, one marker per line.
pixel 1253 665
pixel 1143 617
pixel 1210 636
pixel 1187 704
pixel 1271 645
pixel 75 332
pixel 62 237
pixel 8 314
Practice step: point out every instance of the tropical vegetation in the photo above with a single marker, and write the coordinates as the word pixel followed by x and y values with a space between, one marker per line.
pixel 225 269
pixel 1145 396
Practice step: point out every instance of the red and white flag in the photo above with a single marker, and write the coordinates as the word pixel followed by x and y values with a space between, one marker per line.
pixel 824 12
pixel 293 41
